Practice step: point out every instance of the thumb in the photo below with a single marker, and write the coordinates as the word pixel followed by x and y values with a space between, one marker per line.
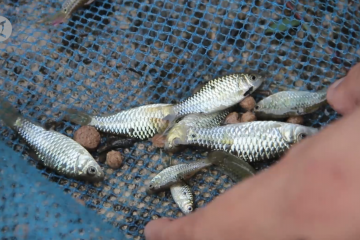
pixel 154 227
pixel 344 94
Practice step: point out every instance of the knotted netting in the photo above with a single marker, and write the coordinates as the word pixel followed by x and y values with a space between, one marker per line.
pixel 114 55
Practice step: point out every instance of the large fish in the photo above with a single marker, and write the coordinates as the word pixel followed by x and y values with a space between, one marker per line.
pixel 290 103
pixel 55 150
pixel 252 141
pixel 218 94
pixel 140 122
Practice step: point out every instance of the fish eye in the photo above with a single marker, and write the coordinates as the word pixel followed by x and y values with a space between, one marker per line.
pixel 190 209
pixel 150 186
pixel 91 171
pixel 257 107
pixel 184 193
pixel 302 136
pixel 253 77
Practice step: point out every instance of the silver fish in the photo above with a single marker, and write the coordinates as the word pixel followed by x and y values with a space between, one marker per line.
pixel 65 12
pixel 55 150
pixel 175 174
pixel 218 94
pixel 140 122
pixel 183 197
pixel 252 141
pixel 178 132
pixel 290 103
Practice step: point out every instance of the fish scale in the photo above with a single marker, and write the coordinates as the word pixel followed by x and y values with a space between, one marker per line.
pixel 179 130
pixel 290 103
pixel 253 141
pixel 183 197
pixel 219 94
pixel 141 122
pixel 175 174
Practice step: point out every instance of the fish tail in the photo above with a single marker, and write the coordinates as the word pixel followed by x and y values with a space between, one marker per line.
pixel 234 167
pixel 9 114
pixel 77 117
pixel 54 19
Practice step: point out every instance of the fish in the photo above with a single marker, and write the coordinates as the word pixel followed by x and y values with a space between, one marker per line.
pixel 234 167
pixel 174 174
pixel 251 141
pixel 290 103
pixel 69 7
pixel 218 94
pixel 119 143
pixel 183 197
pixel 141 122
pixel 178 132
pixel 55 150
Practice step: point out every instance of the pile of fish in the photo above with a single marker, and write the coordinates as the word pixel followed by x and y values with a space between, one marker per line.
pixel 196 121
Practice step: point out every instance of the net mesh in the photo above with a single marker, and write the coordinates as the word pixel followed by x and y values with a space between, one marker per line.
pixel 115 54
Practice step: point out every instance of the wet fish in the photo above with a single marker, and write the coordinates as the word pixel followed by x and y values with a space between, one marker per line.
pixel 175 174
pixel 252 141
pixel 65 12
pixel 178 132
pixel 236 168
pixel 290 103
pixel 183 197
pixel 55 150
pixel 218 94
pixel 119 143
pixel 140 122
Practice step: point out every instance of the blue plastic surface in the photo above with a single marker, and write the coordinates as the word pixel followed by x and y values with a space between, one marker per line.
pixel 116 54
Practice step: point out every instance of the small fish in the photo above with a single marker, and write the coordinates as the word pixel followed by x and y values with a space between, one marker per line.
pixel 55 150
pixel 234 167
pixel 290 103
pixel 140 122
pixel 218 94
pixel 119 143
pixel 183 197
pixel 252 141
pixel 67 9
pixel 175 174
pixel 178 132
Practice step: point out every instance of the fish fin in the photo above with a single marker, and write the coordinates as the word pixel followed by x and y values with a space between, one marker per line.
pixel 89 2
pixel 77 117
pixel 236 168
pixel 9 114
pixel 53 19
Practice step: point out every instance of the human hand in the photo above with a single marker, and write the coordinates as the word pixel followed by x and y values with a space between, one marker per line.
pixel 312 193
pixel 344 94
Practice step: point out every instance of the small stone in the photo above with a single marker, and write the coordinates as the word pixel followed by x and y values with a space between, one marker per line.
pixel 158 141
pixel 232 118
pixel 248 103
pixel 88 137
pixel 296 120
pixel 114 159
pixel 248 117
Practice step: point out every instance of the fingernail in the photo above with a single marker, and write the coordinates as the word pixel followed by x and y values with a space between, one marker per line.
pixel 337 83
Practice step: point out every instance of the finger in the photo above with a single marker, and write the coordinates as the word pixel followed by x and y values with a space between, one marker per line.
pixel 344 94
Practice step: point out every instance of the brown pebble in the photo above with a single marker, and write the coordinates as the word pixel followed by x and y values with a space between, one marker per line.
pixel 232 118
pixel 114 159
pixel 248 103
pixel 88 137
pixel 248 117
pixel 296 120
pixel 158 141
